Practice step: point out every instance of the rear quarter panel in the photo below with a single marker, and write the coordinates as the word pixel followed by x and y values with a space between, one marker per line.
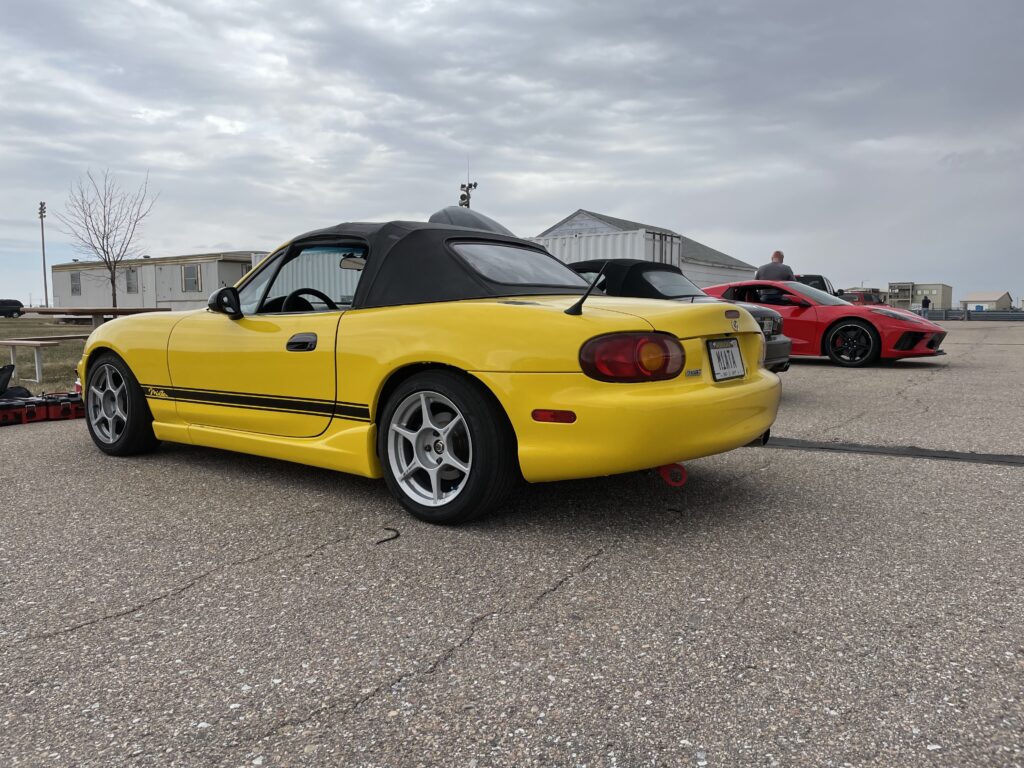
pixel 520 335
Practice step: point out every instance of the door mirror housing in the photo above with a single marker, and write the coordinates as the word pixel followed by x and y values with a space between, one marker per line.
pixel 226 302
pixel 840 292
pixel 794 301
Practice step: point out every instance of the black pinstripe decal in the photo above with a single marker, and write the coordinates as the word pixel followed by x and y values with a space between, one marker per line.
pixel 303 406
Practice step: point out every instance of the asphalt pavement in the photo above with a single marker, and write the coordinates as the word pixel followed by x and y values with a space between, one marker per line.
pixel 786 607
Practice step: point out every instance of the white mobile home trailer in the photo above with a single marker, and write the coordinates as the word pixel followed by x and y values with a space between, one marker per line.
pixel 586 235
pixel 178 282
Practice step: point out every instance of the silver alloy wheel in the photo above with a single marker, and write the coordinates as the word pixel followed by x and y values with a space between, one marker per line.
pixel 107 404
pixel 429 448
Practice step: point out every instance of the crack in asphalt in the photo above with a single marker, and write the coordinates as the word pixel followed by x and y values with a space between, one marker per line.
pixel 439 660
pixel 900 451
pixel 447 654
pixel 585 566
pixel 388 538
pixel 175 591
pixel 165 595
pixel 321 547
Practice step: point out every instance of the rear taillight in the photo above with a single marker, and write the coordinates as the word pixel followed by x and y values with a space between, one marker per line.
pixel 632 357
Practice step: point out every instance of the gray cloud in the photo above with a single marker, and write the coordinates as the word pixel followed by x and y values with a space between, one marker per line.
pixel 872 141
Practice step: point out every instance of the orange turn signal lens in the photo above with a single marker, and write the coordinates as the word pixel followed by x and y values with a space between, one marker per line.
pixel 651 356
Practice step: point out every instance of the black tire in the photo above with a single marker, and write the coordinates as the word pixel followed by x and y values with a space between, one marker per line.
pixel 136 430
pixel 852 343
pixel 485 440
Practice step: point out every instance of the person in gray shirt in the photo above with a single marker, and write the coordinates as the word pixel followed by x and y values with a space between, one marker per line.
pixel 775 269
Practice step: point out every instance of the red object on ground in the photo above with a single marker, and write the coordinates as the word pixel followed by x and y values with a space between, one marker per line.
pixel 34 410
pixel 11 412
pixel 673 474
pixel 64 405
pixel 53 407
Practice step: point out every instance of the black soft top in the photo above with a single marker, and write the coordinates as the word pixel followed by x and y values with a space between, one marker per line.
pixel 623 277
pixel 409 262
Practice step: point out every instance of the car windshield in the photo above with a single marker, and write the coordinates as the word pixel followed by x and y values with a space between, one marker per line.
pixel 815 295
pixel 512 265
pixel 671 284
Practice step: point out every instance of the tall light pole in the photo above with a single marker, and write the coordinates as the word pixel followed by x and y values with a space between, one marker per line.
pixel 42 239
pixel 467 190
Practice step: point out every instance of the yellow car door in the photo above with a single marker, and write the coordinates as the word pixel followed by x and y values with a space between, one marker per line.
pixel 270 368
pixel 269 374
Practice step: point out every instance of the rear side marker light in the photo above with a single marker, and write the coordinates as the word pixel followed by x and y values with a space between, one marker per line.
pixel 628 357
pixel 554 417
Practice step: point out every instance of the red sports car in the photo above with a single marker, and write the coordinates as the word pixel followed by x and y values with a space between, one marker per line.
pixel 822 324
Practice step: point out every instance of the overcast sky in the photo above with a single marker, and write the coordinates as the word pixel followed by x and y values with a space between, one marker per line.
pixel 871 141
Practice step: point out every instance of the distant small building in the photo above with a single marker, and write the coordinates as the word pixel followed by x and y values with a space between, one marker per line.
pixel 178 282
pixel 910 295
pixel 987 301
pixel 585 235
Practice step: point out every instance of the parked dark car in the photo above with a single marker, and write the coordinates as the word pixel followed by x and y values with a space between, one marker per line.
pixel 11 308
pixel 650 280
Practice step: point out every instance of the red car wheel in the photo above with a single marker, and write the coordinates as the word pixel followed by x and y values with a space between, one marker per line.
pixel 852 343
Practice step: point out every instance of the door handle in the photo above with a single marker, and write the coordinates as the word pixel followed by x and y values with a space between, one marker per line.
pixel 301 342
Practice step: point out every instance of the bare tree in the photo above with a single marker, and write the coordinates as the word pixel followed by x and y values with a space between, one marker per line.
pixel 104 220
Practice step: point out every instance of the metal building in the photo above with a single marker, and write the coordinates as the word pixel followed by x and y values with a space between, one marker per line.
pixel 909 295
pixel 178 282
pixel 987 301
pixel 586 235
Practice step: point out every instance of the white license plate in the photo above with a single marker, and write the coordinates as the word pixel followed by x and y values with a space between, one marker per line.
pixel 726 361
pixel 766 325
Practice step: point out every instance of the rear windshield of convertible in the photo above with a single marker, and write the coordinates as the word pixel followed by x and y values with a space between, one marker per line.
pixel 512 265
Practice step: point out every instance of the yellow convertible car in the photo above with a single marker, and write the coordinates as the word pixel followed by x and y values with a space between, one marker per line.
pixel 451 362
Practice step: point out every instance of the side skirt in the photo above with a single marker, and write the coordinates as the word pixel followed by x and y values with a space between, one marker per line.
pixel 346 446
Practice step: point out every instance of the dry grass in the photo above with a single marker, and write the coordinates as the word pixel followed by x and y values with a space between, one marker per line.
pixel 58 362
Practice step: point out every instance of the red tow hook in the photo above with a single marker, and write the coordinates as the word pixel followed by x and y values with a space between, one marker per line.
pixel 673 474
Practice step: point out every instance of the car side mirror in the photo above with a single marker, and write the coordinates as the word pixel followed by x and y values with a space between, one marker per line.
pixel 794 301
pixel 226 302
pixel 840 292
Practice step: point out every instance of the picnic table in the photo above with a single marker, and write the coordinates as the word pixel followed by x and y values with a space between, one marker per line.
pixel 36 346
pixel 98 314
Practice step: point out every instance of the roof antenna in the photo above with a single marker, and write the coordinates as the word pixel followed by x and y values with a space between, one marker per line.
pixel 577 308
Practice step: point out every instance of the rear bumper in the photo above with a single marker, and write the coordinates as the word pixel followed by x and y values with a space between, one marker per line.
pixel 777 349
pixel 629 427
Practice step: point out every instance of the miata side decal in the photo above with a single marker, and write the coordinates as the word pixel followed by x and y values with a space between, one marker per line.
pixel 304 406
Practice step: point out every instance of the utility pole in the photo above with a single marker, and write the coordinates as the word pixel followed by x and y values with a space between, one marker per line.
pixel 42 239
pixel 467 189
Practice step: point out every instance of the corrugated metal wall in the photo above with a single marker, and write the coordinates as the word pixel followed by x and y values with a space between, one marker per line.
pixel 639 244
pixel 318 268
pixel 609 245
